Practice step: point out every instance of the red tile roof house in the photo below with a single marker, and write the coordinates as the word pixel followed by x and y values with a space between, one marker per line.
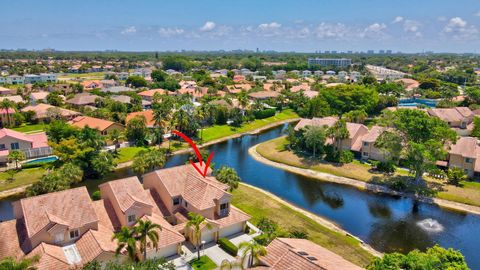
pixel 301 254
pixel 45 111
pixel 6 116
pixel 66 229
pixel 356 132
pixel 148 114
pixel 458 118
pixel 104 127
pixel 148 94
pixel 465 154
pixel 181 189
pixel 83 99
pixel 33 145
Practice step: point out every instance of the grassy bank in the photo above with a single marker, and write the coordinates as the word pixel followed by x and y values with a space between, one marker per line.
pixel 258 205
pixel 217 132
pixel 275 150
pixel 21 178
pixel 30 127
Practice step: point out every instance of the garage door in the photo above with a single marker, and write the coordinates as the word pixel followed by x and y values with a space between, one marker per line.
pixel 233 229
pixel 208 236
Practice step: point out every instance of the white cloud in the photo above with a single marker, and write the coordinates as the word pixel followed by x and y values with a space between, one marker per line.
pixel 458 28
pixel 376 27
pixel 397 19
pixel 129 30
pixel 411 26
pixel 329 30
pixel 477 13
pixel 455 24
pixel 208 26
pixel 269 26
pixel 168 32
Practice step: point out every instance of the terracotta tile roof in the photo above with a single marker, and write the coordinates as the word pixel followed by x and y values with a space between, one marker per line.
pixel 168 235
pixel 373 134
pixel 106 215
pixel 310 93
pixel 302 254
pixel 152 92
pixel 298 88
pixel 410 84
pixel 325 121
pixel 71 207
pixel 237 88
pixel 127 192
pixel 95 242
pixel 13 235
pixel 234 216
pixel 264 94
pixel 465 147
pixel 148 114
pixel 96 123
pixel 7 111
pixel 39 95
pixel 14 98
pixel 5 132
pixel 38 139
pixel 41 110
pixel 83 99
pixel 451 114
pixel 51 257
pixel 185 181
pixel 162 209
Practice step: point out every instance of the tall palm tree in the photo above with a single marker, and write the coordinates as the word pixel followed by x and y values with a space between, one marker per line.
pixel 252 251
pixel 12 264
pixel 146 230
pixel 126 240
pixel 338 132
pixel 195 224
pixel 7 104
pixel 115 137
pixel 314 137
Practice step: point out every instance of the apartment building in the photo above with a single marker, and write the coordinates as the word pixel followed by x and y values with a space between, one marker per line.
pixel 327 62
pixel 29 78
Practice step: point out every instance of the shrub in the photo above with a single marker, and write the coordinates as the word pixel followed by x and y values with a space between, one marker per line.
pixel 228 246
pixel 455 176
pixel 298 233
pixel 346 156
pixel 386 167
pixel 263 239
pixel 96 195
pixel 331 154
pixel 264 113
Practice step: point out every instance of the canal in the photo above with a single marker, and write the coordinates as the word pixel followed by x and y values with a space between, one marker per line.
pixel 385 222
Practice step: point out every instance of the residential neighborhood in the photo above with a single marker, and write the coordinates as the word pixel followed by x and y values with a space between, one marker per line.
pixel 243 135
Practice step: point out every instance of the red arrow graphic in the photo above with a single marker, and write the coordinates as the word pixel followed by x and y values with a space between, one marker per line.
pixel 197 153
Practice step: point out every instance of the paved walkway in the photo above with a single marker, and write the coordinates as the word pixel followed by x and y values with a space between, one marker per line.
pixel 361 185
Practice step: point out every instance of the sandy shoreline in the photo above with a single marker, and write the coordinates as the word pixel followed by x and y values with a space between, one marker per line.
pixel 362 185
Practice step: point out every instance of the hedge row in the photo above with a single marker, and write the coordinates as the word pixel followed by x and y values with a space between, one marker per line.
pixel 228 246
pixel 264 113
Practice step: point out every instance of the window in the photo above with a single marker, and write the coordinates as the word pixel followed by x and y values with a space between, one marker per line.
pixel 177 201
pixel 131 218
pixel 14 146
pixel 74 234
pixel 186 204
pixel 365 143
pixel 2 146
pixel 468 160
pixel 365 154
pixel 223 206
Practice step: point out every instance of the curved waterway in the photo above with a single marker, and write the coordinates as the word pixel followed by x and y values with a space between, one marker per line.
pixel 385 222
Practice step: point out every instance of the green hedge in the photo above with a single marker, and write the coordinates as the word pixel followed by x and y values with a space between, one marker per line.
pixel 264 113
pixel 35 165
pixel 228 246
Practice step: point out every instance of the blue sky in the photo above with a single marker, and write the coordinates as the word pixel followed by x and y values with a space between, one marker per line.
pixel 283 25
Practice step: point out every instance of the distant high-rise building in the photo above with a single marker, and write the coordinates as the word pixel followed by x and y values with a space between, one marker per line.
pixel 389 51
pixel 381 51
pixel 326 62
pixel 370 52
pixel 334 52
pixel 327 52
pixel 349 52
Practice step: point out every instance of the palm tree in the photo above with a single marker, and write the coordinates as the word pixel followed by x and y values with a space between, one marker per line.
pixel 252 251
pixel 12 264
pixel 146 230
pixel 126 240
pixel 194 225
pixel 228 265
pixel 314 137
pixel 16 156
pixel 338 132
pixel 229 176
pixel 7 104
pixel 115 137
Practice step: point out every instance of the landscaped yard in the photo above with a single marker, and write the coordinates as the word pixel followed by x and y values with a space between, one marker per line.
pixel 30 127
pixel 204 263
pixel 258 205
pixel 128 153
pixel 275 150
pixel 21 178
pixel 217 132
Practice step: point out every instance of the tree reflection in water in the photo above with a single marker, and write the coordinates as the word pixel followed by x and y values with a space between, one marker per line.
pixel 313 192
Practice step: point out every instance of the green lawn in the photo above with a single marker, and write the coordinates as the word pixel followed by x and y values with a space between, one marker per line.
pixel 127 153
pixel 204 263
pixel 30 127
pixel 21 178
pixel 219 131
pixel 258 205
